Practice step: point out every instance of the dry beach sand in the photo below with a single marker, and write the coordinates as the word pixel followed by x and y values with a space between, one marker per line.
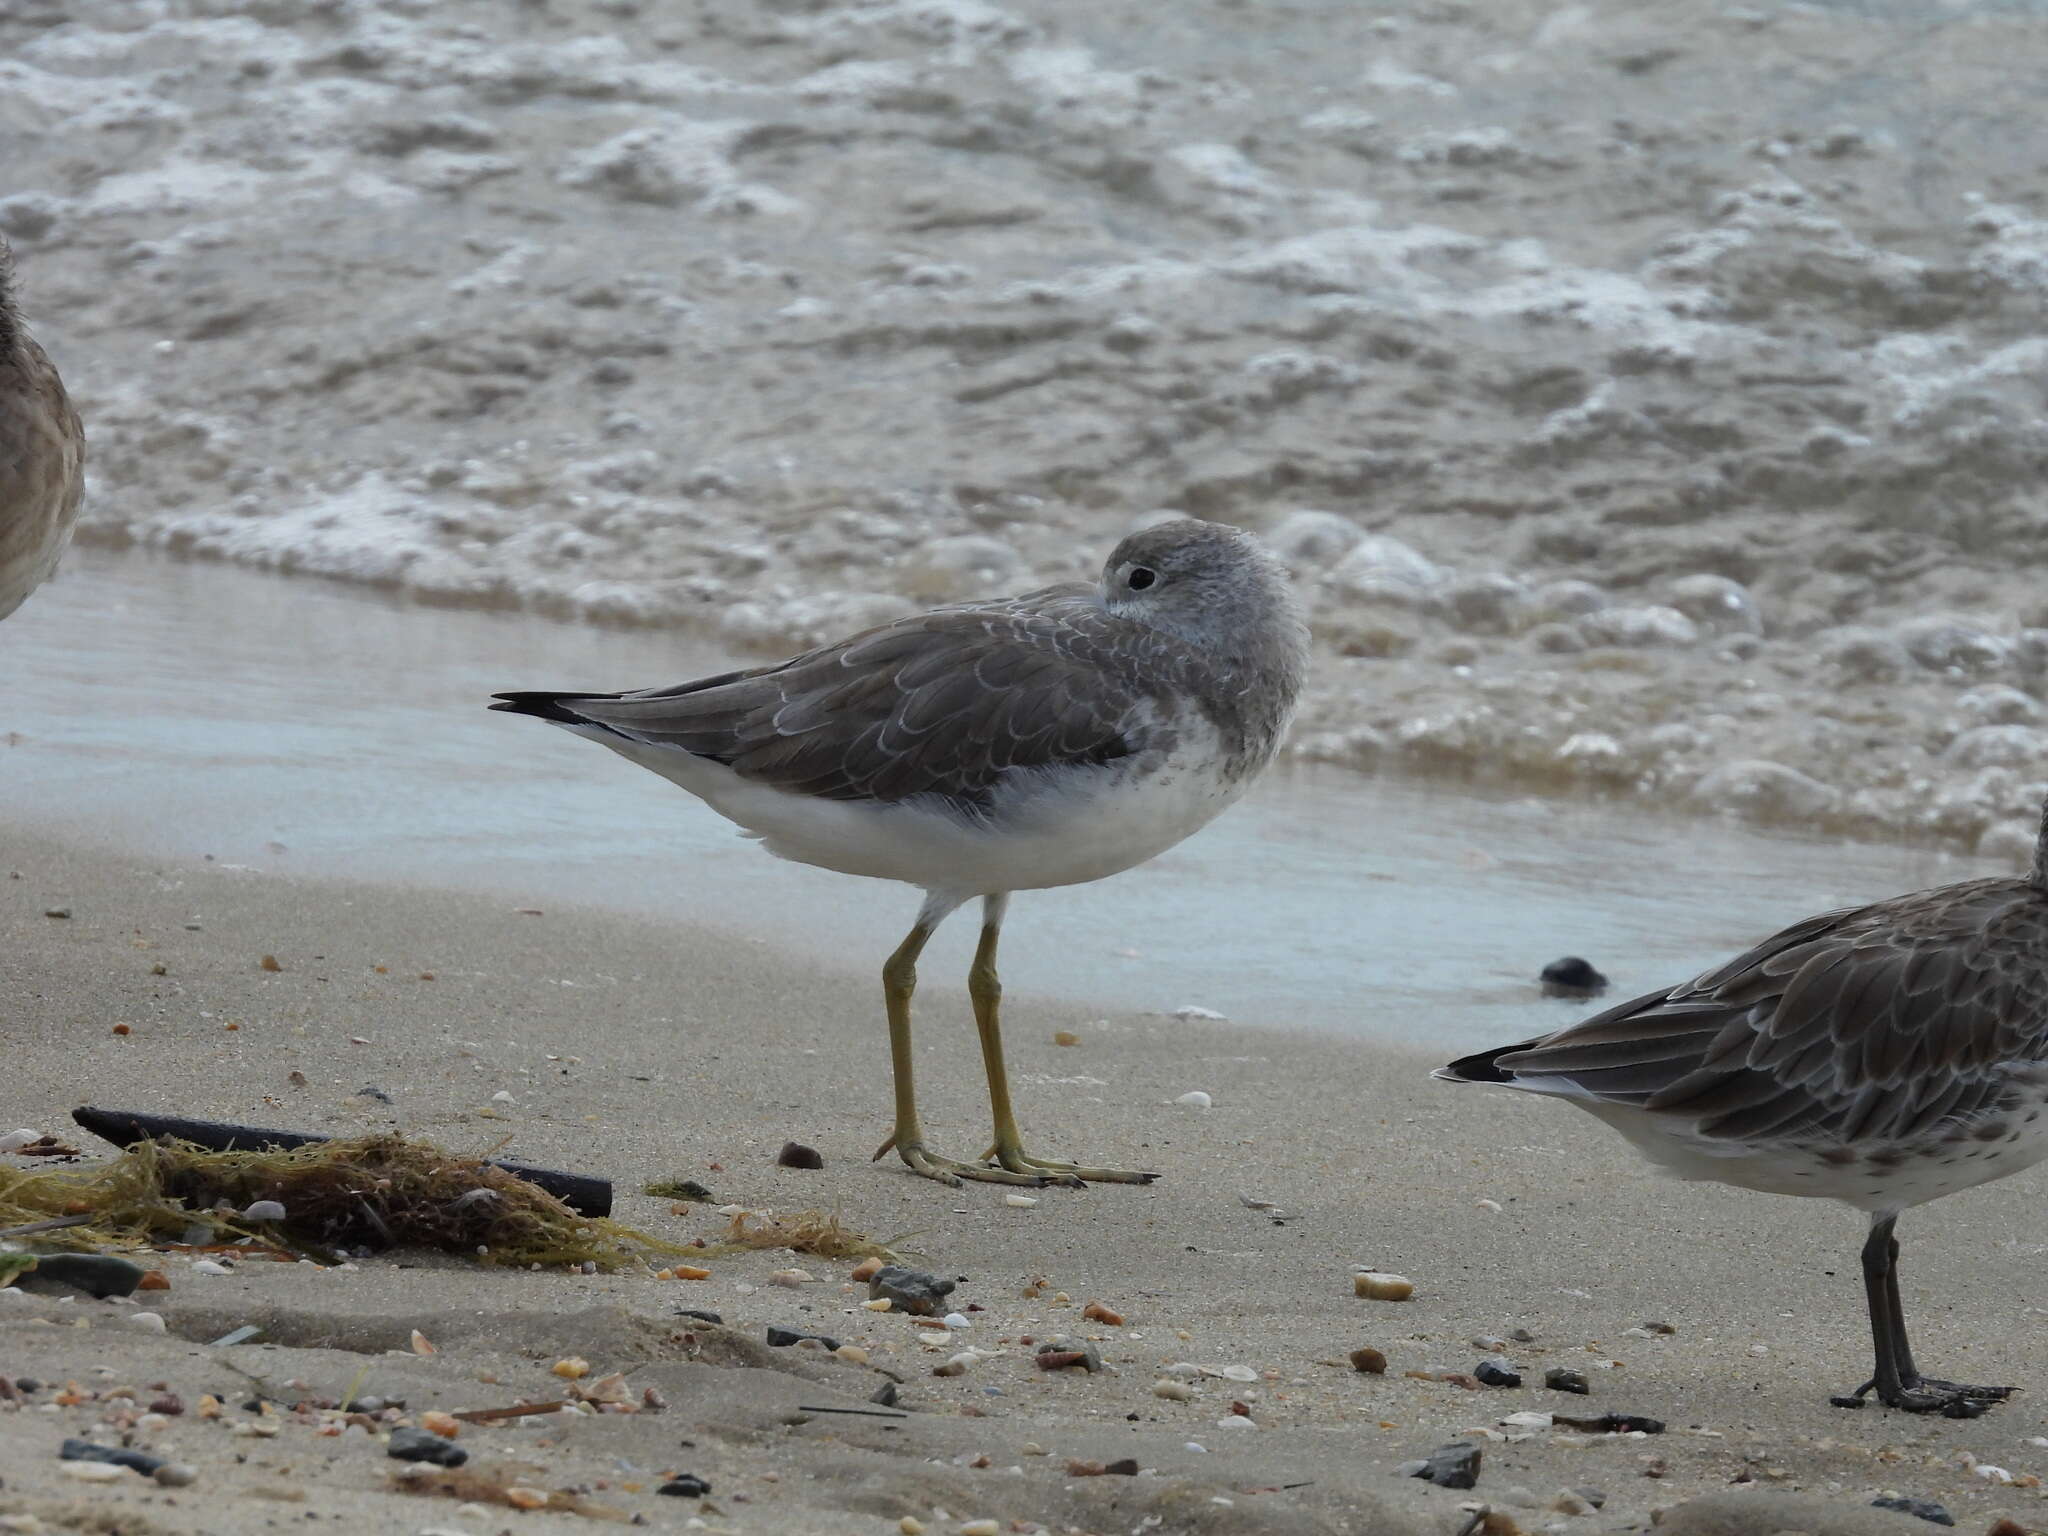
pixel 641 1052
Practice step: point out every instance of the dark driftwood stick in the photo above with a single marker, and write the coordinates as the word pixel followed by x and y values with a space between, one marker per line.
pixel 124 1128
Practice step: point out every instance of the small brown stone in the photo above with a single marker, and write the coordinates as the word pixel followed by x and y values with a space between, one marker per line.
pixel 1369 1360
pixel 795 1154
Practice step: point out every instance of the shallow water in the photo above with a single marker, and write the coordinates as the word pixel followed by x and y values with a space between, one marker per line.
pixel 322 730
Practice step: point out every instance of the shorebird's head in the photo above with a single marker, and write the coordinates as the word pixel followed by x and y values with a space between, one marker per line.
pixel 1209 584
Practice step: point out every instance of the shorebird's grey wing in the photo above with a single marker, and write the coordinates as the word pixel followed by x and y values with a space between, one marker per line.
pixel 1877 1021
pixel 944 703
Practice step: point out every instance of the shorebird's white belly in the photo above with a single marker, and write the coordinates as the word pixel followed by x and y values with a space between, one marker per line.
pixel 1872 1175
pixel 1048 827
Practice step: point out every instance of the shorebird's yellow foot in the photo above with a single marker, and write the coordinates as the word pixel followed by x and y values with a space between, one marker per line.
pixel 1055 1171
pixel 951 1171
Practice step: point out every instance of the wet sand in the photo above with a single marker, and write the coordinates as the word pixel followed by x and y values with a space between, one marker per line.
pixel 645 1050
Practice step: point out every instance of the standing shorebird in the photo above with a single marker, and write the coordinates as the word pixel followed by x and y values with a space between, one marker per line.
pixel 42 455
pixel 1883 1056
pixel 976 750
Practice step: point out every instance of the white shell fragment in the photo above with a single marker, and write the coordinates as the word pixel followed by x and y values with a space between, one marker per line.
pixel 1021 1202
pixel 1195 1100
pixel 1377 1285
pixel 14 1141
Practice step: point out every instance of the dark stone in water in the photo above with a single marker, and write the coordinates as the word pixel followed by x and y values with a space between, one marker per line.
pixel 1572 977
pixel 687 1486
pixel 1450 1466
pixel 84 1450
pixel 1497 1373
pixel 412 1444
pixel 1926 1509
pixel 1562 1378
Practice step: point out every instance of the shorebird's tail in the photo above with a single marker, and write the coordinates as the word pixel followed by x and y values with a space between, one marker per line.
pixel 555 708
pixel 1482 1068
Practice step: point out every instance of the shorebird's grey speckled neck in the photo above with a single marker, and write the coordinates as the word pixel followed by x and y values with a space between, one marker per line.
pixel 991 747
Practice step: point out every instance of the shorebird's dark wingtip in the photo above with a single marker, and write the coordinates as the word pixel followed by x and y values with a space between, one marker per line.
pixel 542 706
pixel 1482 1068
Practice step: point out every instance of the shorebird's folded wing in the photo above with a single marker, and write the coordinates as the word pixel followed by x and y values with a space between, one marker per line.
pixel 1872 1022
pixel 944 703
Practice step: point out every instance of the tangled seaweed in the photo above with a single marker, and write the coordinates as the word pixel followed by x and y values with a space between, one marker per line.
pixel 376 1192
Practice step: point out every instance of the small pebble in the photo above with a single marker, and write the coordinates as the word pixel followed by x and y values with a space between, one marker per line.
pixel 913 1290
pixel 1448 1466
pixel 958 1365
pixel 1173 1391
pixel 1369 1360
pixel 1563 1379
pixel 92 1471
pixel 783 1338
pixel 1095 1311
pixel 795 1154
pixel 866 1269
pixel 1375 1285
pixel 571 1368
pixel 910 1525
pixel 264 1210
pixel 685 1486
pixel 1497 1373
pixel 1065 1037
pixel 210 1267
pixel 147 1322
pixel 980 1528
pixel 409 1444
pixel 176 1474
pixel 446 1425
pixel 791 1279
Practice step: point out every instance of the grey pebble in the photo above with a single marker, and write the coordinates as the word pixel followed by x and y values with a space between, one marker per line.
pixel 1448 1466
pixel 1563 1378
pixel 686 1486
pixel 176 1474
pixel 1497 1373
pixel 911 1289
pixel 782 1338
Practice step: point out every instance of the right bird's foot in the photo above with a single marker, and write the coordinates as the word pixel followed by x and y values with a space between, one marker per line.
pixel 1927 1394
pixel 951 1171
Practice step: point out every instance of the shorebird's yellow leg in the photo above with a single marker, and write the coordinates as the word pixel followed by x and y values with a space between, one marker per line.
pixel 899 981
pixel 986 991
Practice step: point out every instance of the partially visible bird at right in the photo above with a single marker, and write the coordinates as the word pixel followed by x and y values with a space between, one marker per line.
pixel 1883 1056
pixel 42 455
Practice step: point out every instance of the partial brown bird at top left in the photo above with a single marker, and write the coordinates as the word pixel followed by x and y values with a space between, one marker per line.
pixel 42 455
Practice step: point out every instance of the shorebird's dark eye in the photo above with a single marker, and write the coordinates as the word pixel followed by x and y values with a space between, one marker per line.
pixel 1140 578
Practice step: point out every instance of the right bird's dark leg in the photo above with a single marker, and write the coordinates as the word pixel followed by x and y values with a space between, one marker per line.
pixel 1898 1382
